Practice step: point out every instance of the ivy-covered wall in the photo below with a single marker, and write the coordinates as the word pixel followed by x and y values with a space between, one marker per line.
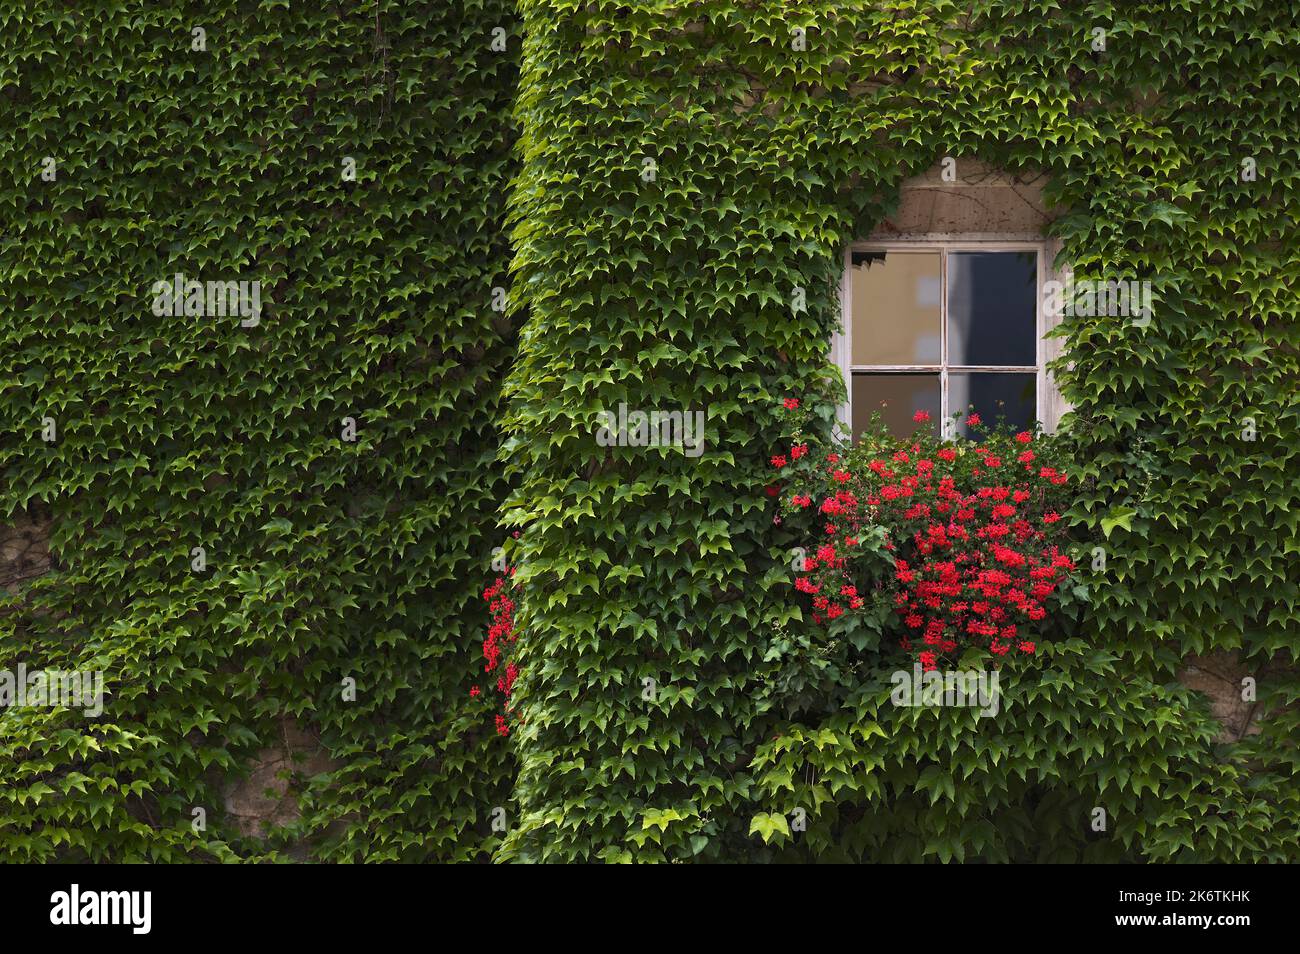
pixel 688 167
pixel 332 454
pixel 686 178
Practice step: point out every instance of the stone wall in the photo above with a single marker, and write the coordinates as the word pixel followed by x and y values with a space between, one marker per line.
pixel 974 200
pixel 267 796
pixel 24 551
pixel 1220 676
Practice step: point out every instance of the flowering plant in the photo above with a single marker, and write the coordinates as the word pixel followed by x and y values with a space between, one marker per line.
pixel 500 636
pixel 970 530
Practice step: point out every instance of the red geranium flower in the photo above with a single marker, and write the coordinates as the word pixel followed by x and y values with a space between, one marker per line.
pixel 973 542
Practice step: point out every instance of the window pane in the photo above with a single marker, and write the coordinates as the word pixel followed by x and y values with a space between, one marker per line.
pixel 896 314
pixel 992 308
pixel 897 397
pixel 1012 396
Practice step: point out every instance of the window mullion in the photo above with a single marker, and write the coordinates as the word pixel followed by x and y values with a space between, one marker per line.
pixel 943 341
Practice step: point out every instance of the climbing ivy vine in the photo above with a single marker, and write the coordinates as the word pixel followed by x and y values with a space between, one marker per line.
pixel 280 524
pixel 692 172
pixel 264 525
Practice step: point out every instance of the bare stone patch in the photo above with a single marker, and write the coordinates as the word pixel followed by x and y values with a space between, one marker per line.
pixel 24 551
pixel 1219 676
pixel 267 797
pixel 980 200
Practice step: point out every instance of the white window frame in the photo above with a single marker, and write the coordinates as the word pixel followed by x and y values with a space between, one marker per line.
pixel 1046 398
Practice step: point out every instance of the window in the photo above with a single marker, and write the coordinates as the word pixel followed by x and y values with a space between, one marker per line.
pixel 944 327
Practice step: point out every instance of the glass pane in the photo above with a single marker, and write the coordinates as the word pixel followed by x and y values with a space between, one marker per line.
pixel 897 397
pixel 992 308
pixel 896 315
pixel 1010 396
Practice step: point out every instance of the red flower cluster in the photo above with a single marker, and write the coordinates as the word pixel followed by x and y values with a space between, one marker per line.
pixel 501 633
pixel 972 528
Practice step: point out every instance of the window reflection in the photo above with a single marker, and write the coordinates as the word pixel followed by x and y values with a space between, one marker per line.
pixel 897 397
pixel 896 308
pixel 992 395
pixel 993 308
